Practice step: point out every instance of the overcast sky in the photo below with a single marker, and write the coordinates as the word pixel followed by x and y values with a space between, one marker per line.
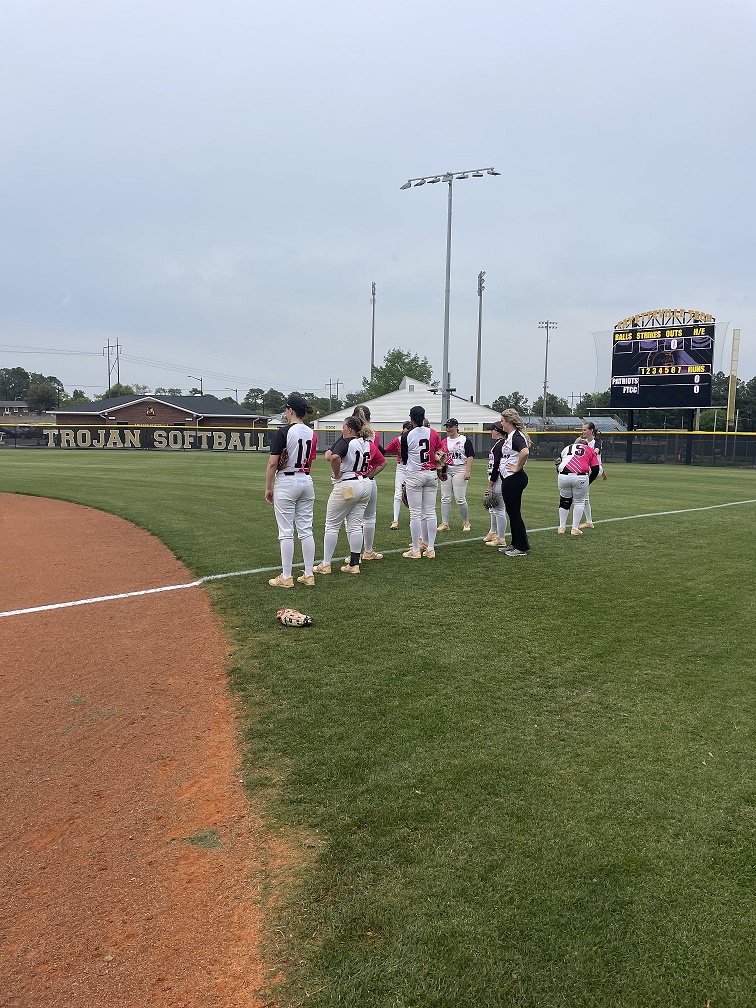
pixel 215 184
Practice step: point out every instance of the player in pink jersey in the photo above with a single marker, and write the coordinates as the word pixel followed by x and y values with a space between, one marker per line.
pixel 591 436
pixel 394 447
pixel 377 464
pixel 575 465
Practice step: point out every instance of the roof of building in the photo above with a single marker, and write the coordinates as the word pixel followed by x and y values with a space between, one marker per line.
pixel 207 405
pixel 15 403
pixel 391 410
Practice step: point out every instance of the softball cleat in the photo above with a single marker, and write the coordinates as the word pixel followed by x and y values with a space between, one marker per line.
pixel 586 525
pixel 412 555
pixel 466 527
pixel 306 579
pixel 322 568
pixel 394 525
pixel 430 554
pixel 281 582
pixel 495 541
pixel 576 531
pixel 372 555
pixel 561 531
pixel 349 569
pixel 443 527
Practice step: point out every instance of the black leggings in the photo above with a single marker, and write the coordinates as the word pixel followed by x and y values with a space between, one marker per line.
pixel 511 492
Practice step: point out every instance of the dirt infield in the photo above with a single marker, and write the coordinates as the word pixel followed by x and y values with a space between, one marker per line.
pixel 130 859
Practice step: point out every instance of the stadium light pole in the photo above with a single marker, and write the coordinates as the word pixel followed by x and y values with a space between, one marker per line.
pixel 481 288
pixel 449 178
pixel 547 326
pixel 196 379
pixel 372 335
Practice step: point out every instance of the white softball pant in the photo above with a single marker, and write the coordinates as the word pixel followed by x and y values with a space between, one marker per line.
pixel 573 489
pixel 422 488
pixel 293 503
pixel 456 484
pixel 401 473
pixel 347 510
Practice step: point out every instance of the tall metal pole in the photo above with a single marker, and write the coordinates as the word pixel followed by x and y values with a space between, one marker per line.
pixel 372 337
pixel 546 325
pixel 481 288
pixel 446 378
pixel 430 179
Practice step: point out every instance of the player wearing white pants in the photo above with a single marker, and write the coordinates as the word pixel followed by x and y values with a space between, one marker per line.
pixel 574 466
pixel 350 460
pixel 590 434
pixel 289 488
pixel 459 456
pixel 419 447
pixel 394 448
pixel 496 537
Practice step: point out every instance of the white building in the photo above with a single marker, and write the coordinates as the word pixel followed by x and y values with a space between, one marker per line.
pixel 388 412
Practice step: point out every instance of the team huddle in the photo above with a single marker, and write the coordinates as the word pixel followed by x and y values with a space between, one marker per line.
pixel 424 461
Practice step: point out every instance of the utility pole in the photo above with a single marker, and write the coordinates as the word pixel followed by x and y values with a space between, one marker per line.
pixel 547 326
pixel 481 287
pixel 118 363
pixel 329 385
pixel 372 336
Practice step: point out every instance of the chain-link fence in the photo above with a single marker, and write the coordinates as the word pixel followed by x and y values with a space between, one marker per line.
pixel 645 447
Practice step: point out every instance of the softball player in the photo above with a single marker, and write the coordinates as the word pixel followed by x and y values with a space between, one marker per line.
pixel 589 433
pixel 459 456
pixel 497 535
pixel 377 464
pixel 290 490
pixel 394 447
pixel 576 463
pixel 350 461
pixel 418 447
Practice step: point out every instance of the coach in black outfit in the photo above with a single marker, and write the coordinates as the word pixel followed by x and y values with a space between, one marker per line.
pixel 515 451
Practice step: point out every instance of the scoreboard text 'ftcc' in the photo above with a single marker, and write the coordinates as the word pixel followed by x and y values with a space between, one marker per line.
pixel 664 366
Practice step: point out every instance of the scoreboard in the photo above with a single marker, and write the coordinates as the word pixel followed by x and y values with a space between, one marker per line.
pixel 663 367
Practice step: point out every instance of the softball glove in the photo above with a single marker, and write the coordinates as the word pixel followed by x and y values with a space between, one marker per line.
pixel 489 501
pixel 405 500
pixel 292 617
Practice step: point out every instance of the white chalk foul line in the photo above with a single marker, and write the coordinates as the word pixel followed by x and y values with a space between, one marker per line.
pixel 268 570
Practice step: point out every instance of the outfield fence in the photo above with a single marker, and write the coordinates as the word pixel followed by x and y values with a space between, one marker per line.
pixel 702 448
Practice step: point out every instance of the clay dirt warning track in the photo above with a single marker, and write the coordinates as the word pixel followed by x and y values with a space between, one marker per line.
pixel 130 859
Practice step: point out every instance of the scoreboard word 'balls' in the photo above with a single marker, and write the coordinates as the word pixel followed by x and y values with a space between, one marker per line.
pixel 663 358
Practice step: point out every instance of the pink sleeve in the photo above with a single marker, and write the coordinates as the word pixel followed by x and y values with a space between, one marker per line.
pixel 435 441
pixel 376 458
pixel 393 447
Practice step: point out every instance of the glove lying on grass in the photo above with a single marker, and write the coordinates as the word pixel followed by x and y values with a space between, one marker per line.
pixel 292 617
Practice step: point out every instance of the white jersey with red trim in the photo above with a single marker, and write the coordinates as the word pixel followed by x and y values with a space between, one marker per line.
pixel 512 445
pixel 299 440
pixel 455 450
pixel 355 456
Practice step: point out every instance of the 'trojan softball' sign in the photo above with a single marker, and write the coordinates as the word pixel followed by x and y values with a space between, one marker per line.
pixel 156 438
pixel 664 359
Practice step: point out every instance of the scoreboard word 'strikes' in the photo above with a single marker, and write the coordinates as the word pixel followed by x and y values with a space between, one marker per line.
pixel 667 367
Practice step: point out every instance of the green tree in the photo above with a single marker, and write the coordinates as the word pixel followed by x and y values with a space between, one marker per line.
pixel 387 377
pixel 555 406
pixel 514 401
pixel 14 383
pixel 167 391
pixel 116 390
pixel 77 396
pixel 273 401
pixel 253 400
pixel 592 401
pixel 42 396
pixel 141 389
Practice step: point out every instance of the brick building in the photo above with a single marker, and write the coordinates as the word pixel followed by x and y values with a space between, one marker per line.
pixel 162 410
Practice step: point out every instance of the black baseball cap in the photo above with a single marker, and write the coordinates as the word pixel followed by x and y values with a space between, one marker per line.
pixel 451 422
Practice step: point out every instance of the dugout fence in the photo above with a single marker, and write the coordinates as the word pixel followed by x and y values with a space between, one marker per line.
pixel 671 447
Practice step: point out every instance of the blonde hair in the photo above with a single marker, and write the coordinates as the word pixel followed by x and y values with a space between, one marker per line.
pixel 513 417
pixel 366 431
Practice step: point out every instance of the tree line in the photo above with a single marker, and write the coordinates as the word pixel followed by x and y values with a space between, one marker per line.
pixel 46 392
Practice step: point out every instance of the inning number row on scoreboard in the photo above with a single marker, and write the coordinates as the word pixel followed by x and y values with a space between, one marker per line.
pixel 663 367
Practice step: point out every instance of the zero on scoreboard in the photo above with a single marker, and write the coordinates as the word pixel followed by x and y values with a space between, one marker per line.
pixel 666 366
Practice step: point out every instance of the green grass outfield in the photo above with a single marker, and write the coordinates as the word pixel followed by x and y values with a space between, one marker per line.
pixel 513 782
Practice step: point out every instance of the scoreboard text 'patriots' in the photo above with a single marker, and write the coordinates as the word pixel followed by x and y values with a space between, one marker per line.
pixel 665 366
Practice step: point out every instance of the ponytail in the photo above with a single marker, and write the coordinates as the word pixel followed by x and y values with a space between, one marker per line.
pixel 513 417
